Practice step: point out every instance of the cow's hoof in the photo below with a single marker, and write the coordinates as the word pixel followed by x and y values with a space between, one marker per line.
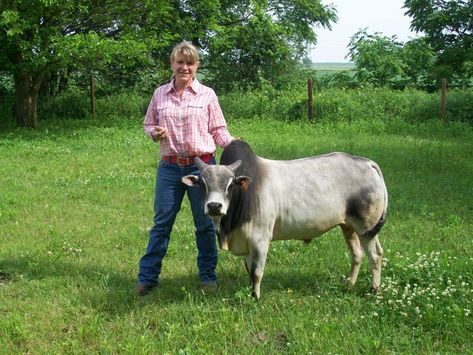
pixel 375 289
pixel 255 296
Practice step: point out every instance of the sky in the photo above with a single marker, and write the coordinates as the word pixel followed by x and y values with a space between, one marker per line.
pixel 385 16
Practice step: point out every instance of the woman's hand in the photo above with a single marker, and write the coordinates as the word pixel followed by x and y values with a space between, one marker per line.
pixel 159 133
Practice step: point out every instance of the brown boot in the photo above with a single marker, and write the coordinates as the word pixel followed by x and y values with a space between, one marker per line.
pixel 209 287
pixel 143 290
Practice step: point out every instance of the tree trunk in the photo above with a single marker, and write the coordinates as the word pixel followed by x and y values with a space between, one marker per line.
pixel 27 86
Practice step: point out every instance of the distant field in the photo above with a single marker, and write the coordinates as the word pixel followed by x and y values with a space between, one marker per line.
pixel 333 66
pixel 330 69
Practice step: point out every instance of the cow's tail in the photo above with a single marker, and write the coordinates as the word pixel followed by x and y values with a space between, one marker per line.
pixel 375 230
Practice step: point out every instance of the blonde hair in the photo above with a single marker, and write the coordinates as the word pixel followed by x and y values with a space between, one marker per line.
pixel 187 49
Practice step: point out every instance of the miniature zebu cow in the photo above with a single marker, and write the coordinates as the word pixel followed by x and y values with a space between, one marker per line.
pixel 254 201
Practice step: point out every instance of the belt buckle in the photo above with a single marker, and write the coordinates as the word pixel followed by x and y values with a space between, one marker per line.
pixel 183 161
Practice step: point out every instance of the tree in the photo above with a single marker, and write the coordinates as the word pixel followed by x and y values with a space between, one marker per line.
pixel 448 27
pixel 377 58
pixel 251 41
pixel 39 37
pixel 242 41
pixel 418 57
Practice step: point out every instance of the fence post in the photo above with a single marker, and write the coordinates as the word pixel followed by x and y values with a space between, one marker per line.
pixel 310 99
pixel 443 102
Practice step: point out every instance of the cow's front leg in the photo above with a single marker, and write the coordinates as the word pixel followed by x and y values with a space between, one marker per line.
pixel 255 262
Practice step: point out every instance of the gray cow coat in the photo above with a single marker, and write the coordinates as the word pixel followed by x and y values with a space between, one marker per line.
pixel 254 201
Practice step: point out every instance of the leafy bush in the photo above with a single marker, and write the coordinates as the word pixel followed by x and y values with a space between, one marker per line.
pixel 460 105
pixel 122 106
pixel 72 103
pixel 76 104
pixel 6 108
pixel 349 105
pixel 7 98
pixel 290 104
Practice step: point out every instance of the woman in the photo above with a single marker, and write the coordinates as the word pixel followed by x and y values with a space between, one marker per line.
pixel 185 117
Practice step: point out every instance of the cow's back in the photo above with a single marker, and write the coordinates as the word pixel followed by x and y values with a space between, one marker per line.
pixel 311 195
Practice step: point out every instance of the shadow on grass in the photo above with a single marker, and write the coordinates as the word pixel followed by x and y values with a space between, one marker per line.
pixel 63 128
pixel 112 293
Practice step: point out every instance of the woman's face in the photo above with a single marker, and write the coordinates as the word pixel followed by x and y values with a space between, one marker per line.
pixel 184 71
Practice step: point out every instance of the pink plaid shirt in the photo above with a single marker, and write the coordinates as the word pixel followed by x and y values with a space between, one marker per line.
pixel 195 121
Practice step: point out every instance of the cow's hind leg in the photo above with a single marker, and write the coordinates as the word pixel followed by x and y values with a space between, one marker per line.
pixel 373 249
pixel 353 243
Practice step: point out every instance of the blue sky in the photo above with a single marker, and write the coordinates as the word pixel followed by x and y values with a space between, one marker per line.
pixel 385 16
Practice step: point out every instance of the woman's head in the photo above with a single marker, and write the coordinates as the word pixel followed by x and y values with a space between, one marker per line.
pixel 184 63
pixel 187 50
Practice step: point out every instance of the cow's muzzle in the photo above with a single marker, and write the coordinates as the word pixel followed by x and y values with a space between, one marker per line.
pixel 214 209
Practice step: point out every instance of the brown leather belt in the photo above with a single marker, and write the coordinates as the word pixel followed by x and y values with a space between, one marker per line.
pixel 186 161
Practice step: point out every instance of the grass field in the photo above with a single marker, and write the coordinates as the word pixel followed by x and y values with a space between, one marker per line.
pixel 324 69
pixel 76 207
pixel 329 66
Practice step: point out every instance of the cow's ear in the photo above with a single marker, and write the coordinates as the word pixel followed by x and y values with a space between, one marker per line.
pixel 243 181
pixel 190 180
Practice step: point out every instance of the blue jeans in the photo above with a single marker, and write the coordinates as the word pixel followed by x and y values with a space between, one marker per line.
pixel 169 194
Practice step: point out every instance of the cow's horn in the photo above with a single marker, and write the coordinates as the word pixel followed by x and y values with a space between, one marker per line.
pixel 200 164
pixel 235 165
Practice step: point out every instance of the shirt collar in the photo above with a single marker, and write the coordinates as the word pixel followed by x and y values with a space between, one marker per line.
pixel 195 87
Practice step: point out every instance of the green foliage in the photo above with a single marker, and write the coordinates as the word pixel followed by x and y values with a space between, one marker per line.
pixel 382 61
pixel 448 29
pixel 341 105
pixel 122 106
pixel 256 41
pixel 75 104
pixel 6 98
pixel 242 43
pixel 41 38
pixel 459 105
pixel 377 58
pixel 418 58
pixel 288 104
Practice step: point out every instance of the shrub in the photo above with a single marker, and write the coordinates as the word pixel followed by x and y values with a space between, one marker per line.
pixel 460 105
pixel 72 103
pixel 290 104
pixel 122 106
pixel 348 105
pixel 76 104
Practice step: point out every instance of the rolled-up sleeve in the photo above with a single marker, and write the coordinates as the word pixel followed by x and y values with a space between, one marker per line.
pixel 217 124
pixel 151 117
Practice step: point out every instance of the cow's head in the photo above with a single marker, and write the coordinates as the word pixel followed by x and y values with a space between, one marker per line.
pixel 218 182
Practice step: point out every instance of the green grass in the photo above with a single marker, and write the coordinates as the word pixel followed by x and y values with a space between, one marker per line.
pixel 326 69
pixel 76 206
pixel 333 66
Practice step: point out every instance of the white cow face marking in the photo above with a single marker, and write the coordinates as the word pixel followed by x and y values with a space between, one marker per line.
pixel 218 187
pixel 218 182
